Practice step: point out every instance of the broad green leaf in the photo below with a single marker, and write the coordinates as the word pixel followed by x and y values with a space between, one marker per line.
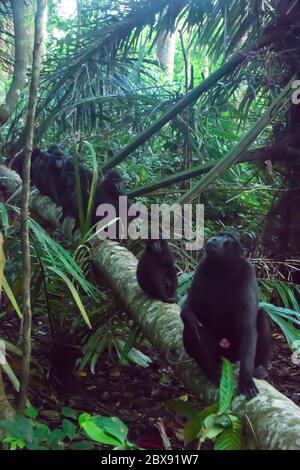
pixel 183 408
pixel 99 435
pixel 13 443
pixel 69 428
pixel 12 427
pixel 208 410
pixel 226 386
pixel 113 426
pixel 41 432
pixel 81 445
pixel 26 427
pixel 56 437
pixel 211 429
pixel 69 412
pixel 192 429
pixel 231 437
pixel 31 412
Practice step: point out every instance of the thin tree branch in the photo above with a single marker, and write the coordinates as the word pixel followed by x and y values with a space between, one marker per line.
pixel 40 27
pixel 262 154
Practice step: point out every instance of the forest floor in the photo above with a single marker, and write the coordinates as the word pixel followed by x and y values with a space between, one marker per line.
pixel 137 395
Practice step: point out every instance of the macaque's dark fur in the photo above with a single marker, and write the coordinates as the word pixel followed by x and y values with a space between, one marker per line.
pixel 45 172
pixel 56 151
pixel 54 175
pixel 156 272
pixel 108 192
pixel 222 307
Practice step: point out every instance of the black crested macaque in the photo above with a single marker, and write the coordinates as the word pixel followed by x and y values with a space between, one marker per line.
pixel 108 192
pixel 156 272
pixel 56 151
pixel 16 164
pixel 221 315
pixel 45 174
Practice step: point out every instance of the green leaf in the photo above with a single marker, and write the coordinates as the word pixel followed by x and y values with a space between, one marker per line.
pixel 14 443
pixel 26 428
pixel 212 429
pixel 130 342
pixel 31 412
pixel 41 432
pixel 11 427
pixel 94 345
pixel 11 297
pixel 69 412
pixel 99 435
pixel 282 317
pixel 4 218
pixel 226 386
pixel 69 428
pixel 192 429
pixel 57 436
pixel 99 350
pixel 183 408
pixel 208 410
pixel 134 355
pixel 75 295
pixel 82 445
pixel 113 426
pixel 83 418
pixel 53 254
pixel 231 437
